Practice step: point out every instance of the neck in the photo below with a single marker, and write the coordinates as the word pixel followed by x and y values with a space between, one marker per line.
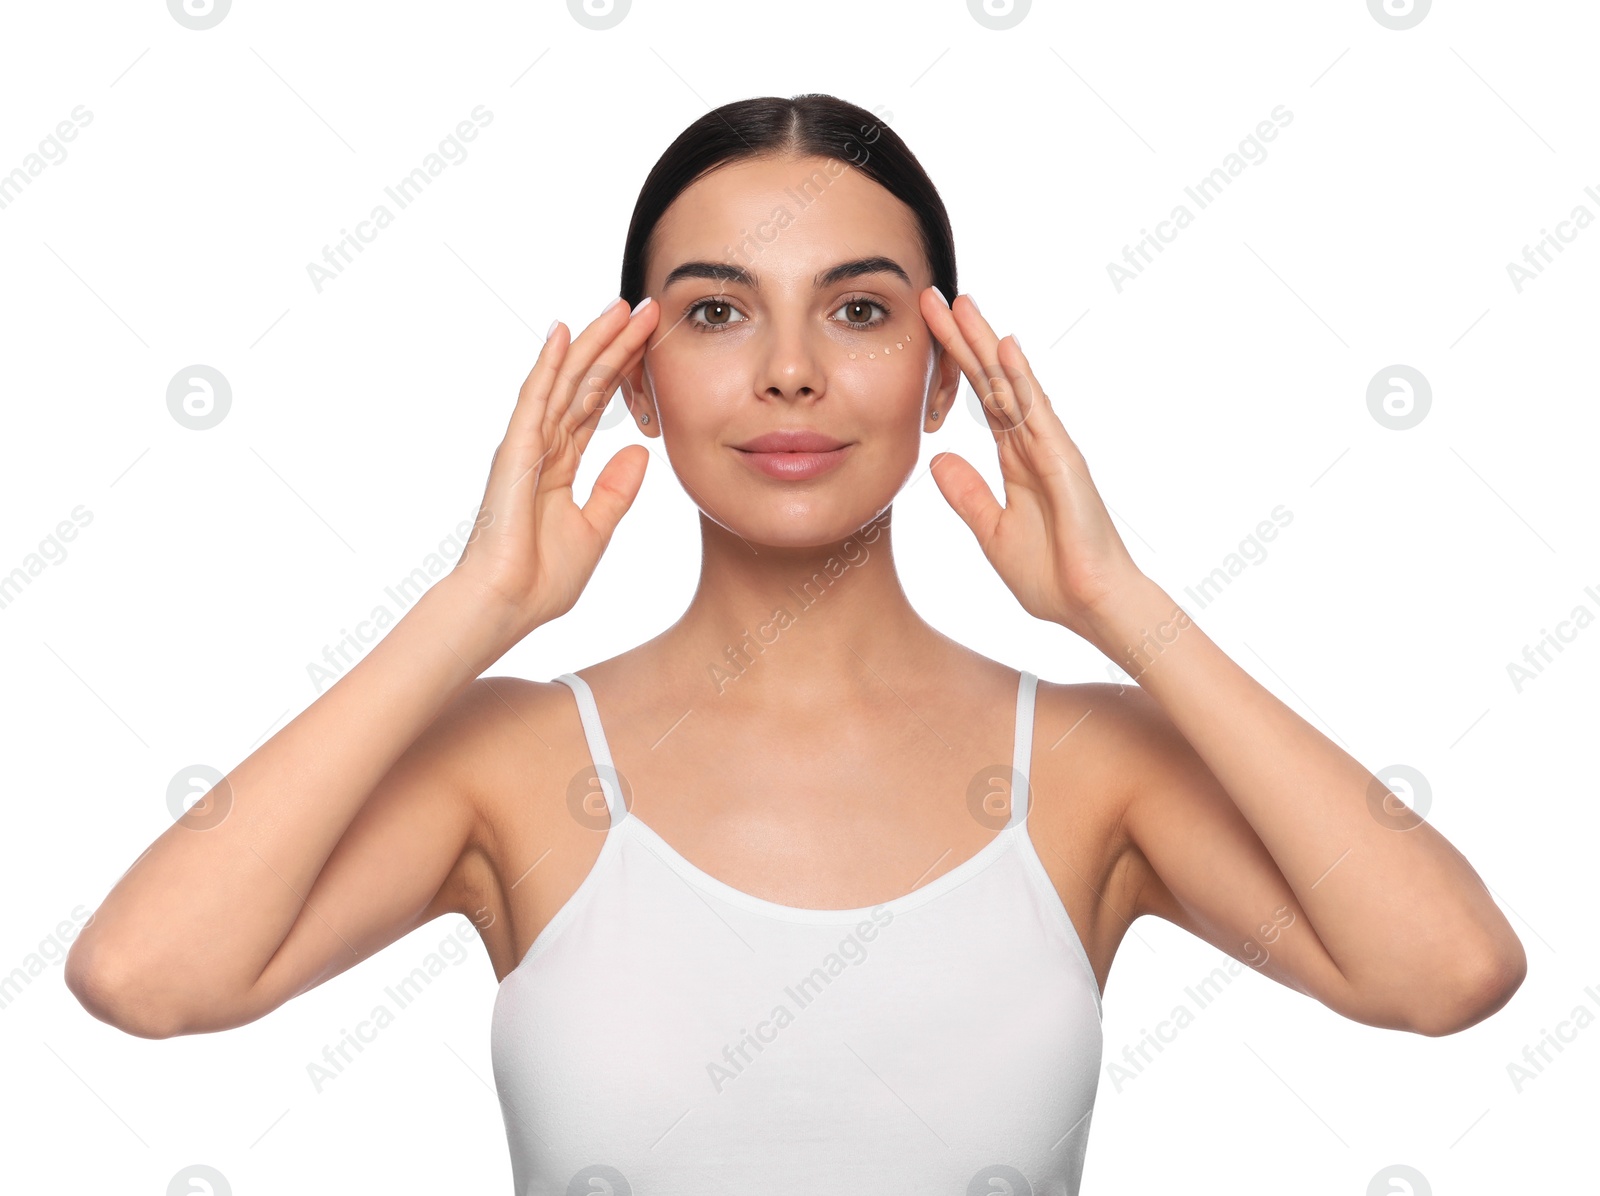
pixel 796 624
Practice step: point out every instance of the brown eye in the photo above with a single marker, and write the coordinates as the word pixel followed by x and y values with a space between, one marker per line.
pixel 859 313
pixel 713 315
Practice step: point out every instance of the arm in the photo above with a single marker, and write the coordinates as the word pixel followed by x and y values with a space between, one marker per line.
pixel 1260 835
pixel 349 827
pixel 1250 825
pixel 333 839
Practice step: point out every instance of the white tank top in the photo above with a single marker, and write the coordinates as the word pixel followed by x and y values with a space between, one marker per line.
pixel 667 1034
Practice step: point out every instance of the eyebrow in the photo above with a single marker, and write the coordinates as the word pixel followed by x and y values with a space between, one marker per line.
pixel 728 272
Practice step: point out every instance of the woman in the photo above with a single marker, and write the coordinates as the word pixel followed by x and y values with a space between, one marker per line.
pixel 800 893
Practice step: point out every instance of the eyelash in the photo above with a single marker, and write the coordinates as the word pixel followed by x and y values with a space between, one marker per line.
pixel 721 301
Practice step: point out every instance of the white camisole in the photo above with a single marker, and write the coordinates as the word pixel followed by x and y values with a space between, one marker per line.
pixel 667 1034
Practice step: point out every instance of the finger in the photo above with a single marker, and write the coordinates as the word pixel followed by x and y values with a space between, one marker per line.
pixel 615 488
pixel 585 431
pixel 1001 401
pixel 609 340
pixel 955 338
pixel 1030 395
pixel 527 416
pixel 518 455
pixel 964 489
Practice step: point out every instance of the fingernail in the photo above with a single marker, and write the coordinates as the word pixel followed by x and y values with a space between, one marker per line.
pixel 1015 341
pixel 638 307
pixel 551 331
pixel 974 303
pixel 610 305
pixel 942 299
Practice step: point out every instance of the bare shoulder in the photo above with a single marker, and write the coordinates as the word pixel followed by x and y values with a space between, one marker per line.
pixel 1093 747
pixel 526 755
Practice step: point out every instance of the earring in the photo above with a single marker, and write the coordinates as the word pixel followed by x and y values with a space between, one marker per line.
pixel 645 418
pixel 933 415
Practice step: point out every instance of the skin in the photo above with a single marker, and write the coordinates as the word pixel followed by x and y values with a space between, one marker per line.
pixel 830 770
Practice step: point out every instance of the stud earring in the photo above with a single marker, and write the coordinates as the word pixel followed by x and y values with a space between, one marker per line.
pixel 933 415
pixel 645 418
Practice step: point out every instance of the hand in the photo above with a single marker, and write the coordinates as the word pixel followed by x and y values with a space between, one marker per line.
pixel 1053 543
pixel 534 548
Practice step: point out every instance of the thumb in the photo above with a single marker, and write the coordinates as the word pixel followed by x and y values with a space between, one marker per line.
pixel 964 489
pixel 615 488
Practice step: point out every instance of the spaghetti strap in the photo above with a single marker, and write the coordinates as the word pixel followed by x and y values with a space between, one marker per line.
pixel 1022 751
pixel 599 750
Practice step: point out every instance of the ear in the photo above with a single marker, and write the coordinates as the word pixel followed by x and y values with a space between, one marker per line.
pixel 944 396
pixel 638 400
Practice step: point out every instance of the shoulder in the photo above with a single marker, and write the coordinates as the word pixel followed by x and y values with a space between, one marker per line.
pixel 511 743
pixel 1097 746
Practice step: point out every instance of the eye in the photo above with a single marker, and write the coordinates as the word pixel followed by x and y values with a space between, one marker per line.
pixel 857 312
pixel 720 314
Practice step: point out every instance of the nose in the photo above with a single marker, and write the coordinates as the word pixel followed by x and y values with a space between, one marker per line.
pixel 789 366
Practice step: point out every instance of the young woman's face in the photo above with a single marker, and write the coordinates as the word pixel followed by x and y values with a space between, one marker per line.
pixel 788 290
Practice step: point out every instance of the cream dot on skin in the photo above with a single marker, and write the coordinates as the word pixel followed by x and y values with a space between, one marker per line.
pixel 872 356
pixel 852 357
pixel 899 345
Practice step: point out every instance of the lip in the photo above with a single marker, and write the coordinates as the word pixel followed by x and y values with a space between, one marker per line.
pixel 791 440
pixel 800 454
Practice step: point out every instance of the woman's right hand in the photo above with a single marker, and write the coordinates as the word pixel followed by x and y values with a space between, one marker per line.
pixel 533 549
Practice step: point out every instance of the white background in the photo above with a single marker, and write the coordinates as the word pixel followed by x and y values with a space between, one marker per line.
pixel 1228 378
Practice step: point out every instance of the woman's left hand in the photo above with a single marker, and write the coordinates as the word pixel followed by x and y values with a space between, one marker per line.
pixel 1053 542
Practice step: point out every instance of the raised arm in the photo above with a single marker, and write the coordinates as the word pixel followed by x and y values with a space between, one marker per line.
pixel 342 832
pixel 1258 833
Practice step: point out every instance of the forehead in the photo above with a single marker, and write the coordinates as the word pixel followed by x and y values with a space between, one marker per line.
pixel 785 218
